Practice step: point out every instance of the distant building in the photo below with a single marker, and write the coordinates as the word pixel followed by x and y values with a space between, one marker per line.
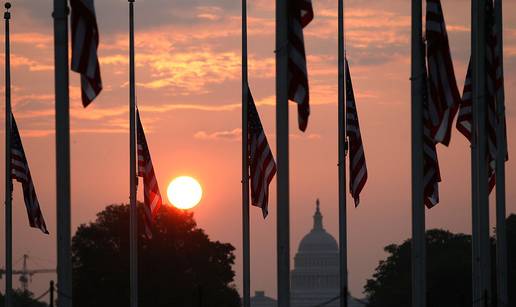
pixel 315 277
pixel 260 300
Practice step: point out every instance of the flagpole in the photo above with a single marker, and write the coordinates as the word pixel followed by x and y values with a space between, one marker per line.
pixel 133 231
pixel 501 235
pixel 282 143
pixel 478 40
pixel 342 143
pixel 245 167
pixel 418 208
pixel 8 180
pixel 64 255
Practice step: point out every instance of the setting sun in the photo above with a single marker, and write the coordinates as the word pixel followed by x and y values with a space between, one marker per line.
pixel 184 192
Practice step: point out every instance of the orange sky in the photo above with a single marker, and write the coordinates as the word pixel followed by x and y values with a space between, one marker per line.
pixel 188 75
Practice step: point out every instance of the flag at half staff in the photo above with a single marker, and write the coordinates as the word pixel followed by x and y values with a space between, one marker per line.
pixel 357 162
pixel 301 13
pixel 431 172
pixel 85 42
pixel 261 162
pixel 443 94
pixel 494 81
pixel 152 196
pixel 20 171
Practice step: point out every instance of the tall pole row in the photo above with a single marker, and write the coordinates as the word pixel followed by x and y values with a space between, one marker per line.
pixel 501 234
pixel 282 141
pixel 480 187
pixel 342 143
pixel 418 208
pixel 64 255
pixel 245 165
pixel 133 231
pixel 8 181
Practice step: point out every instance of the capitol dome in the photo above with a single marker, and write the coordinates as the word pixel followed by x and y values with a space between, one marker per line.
pixel 315 278
pixel 318 240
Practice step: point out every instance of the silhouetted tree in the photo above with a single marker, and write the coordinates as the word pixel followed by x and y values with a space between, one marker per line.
pixel 22 299
pixel 179 266
pixel 448 271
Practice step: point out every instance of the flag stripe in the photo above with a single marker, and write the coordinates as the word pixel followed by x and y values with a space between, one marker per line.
pixel 494 83
pixel 151 193
pixel 443 94
pixel 431 172
pixel 85 42
pixel 261 162
pixel 21 173
pixel 357 165
pixel 301 13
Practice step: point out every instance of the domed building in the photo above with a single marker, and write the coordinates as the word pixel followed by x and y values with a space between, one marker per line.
pixel 315 278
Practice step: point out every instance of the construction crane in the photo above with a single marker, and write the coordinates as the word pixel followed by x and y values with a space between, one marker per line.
pixel 26 274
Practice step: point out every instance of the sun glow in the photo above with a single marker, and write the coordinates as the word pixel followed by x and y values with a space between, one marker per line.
pixel 184 192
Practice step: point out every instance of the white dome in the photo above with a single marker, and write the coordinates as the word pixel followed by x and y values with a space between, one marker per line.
pixel 315 278
pixel 318 240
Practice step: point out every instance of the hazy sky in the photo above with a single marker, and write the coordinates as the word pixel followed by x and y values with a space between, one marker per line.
pixel 188 75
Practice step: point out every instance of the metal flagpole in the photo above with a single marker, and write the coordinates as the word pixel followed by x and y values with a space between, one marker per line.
pixel 501 235
pixel 418 208
pixel 478 40
pixel 8 180
pixel 64 255
pixel 133 231
pixel 282 143
pixel 245 166
pixel 342 143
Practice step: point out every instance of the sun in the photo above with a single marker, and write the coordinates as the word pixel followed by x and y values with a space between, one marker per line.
pixel 184 192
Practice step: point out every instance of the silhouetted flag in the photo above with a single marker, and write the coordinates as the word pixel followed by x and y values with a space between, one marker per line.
pixel 20 171
pixel 431 172
pixel 85 41
pixel 444 96
pixel 357 162
pixel 300 15
pixel 152 196
pixel 261 162
pixel 494 82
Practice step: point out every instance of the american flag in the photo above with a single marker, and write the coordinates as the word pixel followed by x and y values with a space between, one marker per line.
pixel 494 82
pixel 261 161
pixel 85 41
pixel 301 13
pixel 152 196
pixel 20 171
pixel 357 162
pixel 444 96
pixel 431 172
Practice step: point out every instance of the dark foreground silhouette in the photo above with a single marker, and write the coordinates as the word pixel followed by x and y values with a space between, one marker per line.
pixel 448 271
pixel 179 266
pixel 22 299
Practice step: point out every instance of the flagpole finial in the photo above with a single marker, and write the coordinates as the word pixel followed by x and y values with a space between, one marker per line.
pixel 7 14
